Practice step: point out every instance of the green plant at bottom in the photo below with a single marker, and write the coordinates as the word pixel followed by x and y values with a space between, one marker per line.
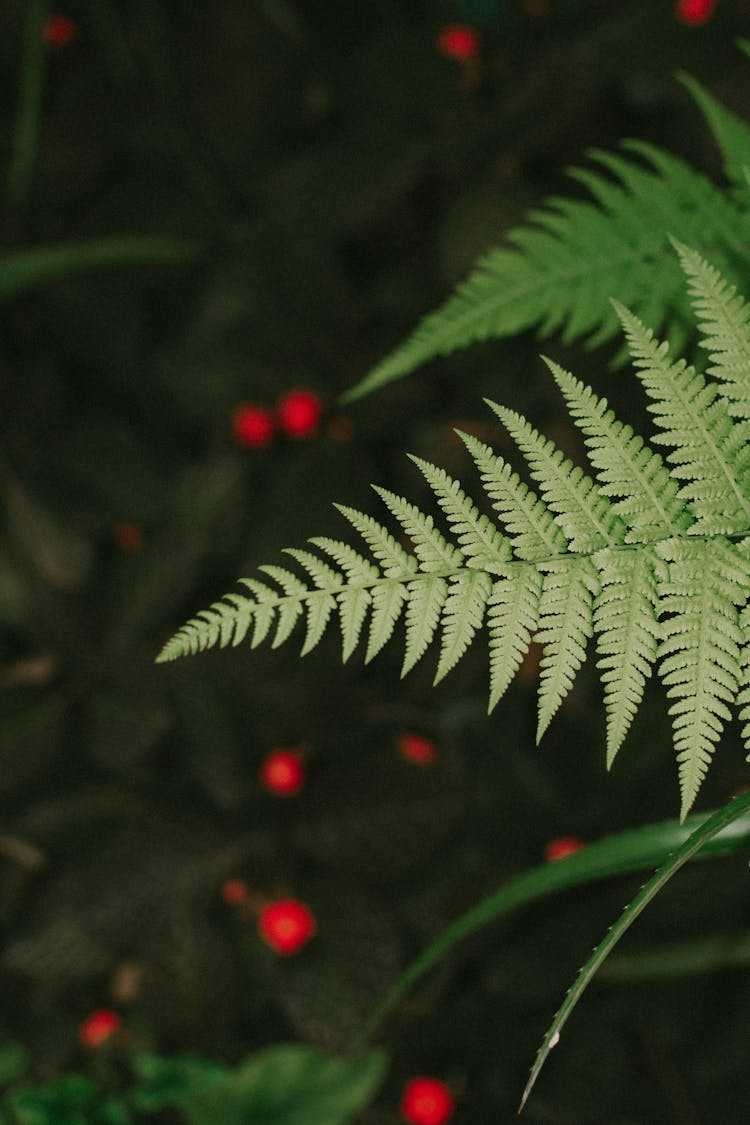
pixel 289 1084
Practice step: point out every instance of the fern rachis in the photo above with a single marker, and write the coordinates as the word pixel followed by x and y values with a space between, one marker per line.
pixel 649 556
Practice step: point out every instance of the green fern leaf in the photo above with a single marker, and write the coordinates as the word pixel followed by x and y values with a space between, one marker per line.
pixel 709 452
pixel 560 269
pixel 462 616
pixel 731 133
pixel 512 619
pixel 320 604
pixel 650 506
pixel 627 634
pixel 565 625
pixel 395 561
pixel 743 696
pixel 426 600
pixel 354 599
pixel 388 600
pixel 290 607
pixel 650 556
pixel 481 542
pixel 434 554
pixel 585 515
pixel 724 320
pixel 531 526
pixel 700 658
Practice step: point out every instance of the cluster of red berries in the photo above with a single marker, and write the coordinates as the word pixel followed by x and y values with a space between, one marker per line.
pixel 297 415
pixel 286 925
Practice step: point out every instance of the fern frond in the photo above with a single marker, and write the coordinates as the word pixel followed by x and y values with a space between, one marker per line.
pixel 388 600
pixel 395 561
pixel 700 655
pixel 730 132
pixel 462 616
pixel 627 634
pixel 565 625
pixel 531 526
pixel 743 695
pixel 479 539
pixel 430 547
pixel 649 556
pixel 558 271
pixel 290 607
pixel 709 452
pixel 724 320
pixel 426 599
pixel 626 467
pixel 512 619
pixel 319 604
pixel 585 515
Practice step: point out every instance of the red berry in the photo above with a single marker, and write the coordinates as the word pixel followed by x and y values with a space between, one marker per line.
pixel 128 536
pixel 299 412
pixel 99 1028
pixel 252 425
pixel 418 749
pixel 283 773
pixel 562 846
pixel 426 1101
pixel 59 31
pixel 234 892
pixel 459 41
pixel 287 926
pixel 694 12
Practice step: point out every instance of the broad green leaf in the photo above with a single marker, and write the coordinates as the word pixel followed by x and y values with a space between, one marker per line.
pixel 290 1085
pixel 172 1081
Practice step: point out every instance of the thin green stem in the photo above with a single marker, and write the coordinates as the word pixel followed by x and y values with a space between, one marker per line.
pixel 616 855
pixel 697 840
pixel 25 141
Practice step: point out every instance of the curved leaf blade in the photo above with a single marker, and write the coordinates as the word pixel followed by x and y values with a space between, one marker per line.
pixel 713 824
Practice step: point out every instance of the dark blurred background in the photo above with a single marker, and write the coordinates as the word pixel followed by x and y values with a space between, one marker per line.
pixel 324 175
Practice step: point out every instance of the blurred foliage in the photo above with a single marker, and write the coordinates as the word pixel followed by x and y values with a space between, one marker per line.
pixel 283 1085
pixel 337 175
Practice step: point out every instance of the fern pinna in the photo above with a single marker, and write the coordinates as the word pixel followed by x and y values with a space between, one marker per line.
pixel 651 558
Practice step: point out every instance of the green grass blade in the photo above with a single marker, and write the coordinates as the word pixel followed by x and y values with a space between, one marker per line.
pixel 28 114
pixel 698 839
pixel 38 266
pixel 615 855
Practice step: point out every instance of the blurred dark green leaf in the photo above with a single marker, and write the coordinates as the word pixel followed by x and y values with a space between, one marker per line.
pixel 44 265
pixel 291 1085
pixel 72 1099
pixel 14 1059
pixel 172 1081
